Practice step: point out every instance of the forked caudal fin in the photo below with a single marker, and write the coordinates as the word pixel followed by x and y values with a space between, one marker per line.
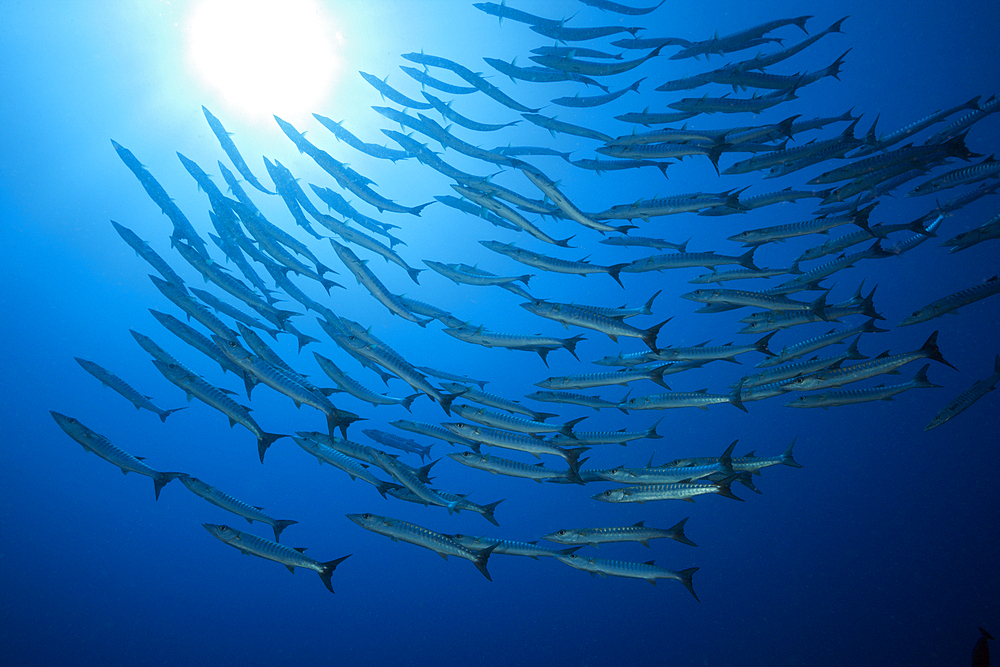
pixel 328 568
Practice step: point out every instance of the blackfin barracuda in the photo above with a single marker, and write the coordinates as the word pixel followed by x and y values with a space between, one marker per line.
pixel 234 505
pixel 287 556
pixel 398 530
pixel 109 379
pixel 637 532
pixel 620 568
pixel 286 384
pixel 584 317
pixel 338 459
pixel 953 302
pixel 195 386
pixel 831 399
pixel 100 445
pixel 884 363
pixel 963 401
pixel 509 547
pixel 642 493
pixel 501 466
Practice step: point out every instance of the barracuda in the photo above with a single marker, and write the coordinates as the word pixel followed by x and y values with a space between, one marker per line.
pixel 963 401
pixel 680 260
pixel 494 401
pixel 398 530
pixel 831 399
pixel 506 422
pixel 234 505
pixel 637 532
pixel 501 466
pixel 355 389
pixel 100 445
pixel 595 402
pixel 542 345
pixel 398 442
pixel 374 150
pixel 581 268
pixel 388 358
pixel 516 442
pixel 193 309
pixel 459 277
pixel 550 190
pixel 196 387
pixel 368 279
pixel 619 437
pixel 803 348
pixel 620 568
pixel 726 352
pixel 287 385
pixel 461 502
pixel 109 379
pixel 613 327
pixel 684 399
pixel 953 302
pixel 510 547
pixel 326 454
pixel 821 225
pixel 344 176
pixel 642 493
pixel 623 377
pixel 651 208
pixel 572 63
pixel 287 556
pixel 791 371
pixel 884 363
pixel 143 250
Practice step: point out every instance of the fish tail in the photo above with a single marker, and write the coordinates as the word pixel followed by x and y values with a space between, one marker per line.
pixel 677 533
pixel 327 570
pixel 746 259
pixel 931 351
pixel 408 400
pixel 685 578
pixel 567 428
pixel 265 441
pixel 279 525
pixel 920 379
pixel 736 396
pixel 482 556
pixel 722 488
pixel 651 432
pixel 166 413
pixel 488 512
pixel 786 456
pixel 413 274
pixel 761 345
pixel 649 335
pixel 161 480
pixel 647 308
pixel 615 272
pixel 570 344
pixel 327 284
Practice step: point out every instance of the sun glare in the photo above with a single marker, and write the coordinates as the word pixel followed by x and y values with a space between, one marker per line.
pixel 265 57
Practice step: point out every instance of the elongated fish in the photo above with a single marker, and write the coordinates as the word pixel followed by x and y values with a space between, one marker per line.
pixel 109 379
pixel 234 505
pixel 620 568
pixel 287 556
pixel 398 530
pixel 963 401
pixel 98 444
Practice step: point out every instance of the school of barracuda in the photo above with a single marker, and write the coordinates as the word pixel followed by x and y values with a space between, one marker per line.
pixel 860 172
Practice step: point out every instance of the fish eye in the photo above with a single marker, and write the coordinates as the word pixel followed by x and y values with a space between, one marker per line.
pixel 232 343
pixel 561 532
pixel 607 493
pixel 458 536
pixel 467 454
pixel 366 516
pixel 71 420
pixel 916 312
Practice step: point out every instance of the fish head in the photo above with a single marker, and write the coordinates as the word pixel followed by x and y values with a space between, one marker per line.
pixel 366 520
pixel 224 533
pixel 193 483
pixel 74 428
pixel 563 536
pixel 611 495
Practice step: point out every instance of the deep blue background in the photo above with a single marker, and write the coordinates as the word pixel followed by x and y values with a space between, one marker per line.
pixel 882 550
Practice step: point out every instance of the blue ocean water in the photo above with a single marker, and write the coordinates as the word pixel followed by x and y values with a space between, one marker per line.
pixel 880 550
